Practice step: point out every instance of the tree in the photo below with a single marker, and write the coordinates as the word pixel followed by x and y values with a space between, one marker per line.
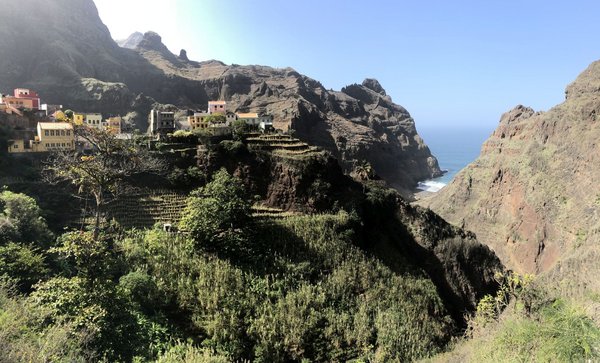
pixel 215 118
pixel 239 128
pixel 69 114
pixel 21 220
pixel 105 173
pixel 22 265
pixel 364 171
pixel 217 214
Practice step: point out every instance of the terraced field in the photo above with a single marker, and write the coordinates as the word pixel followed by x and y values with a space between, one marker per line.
pixel 143 210
pixel 281 145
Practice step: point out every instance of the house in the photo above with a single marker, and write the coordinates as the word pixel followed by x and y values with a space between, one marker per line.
pixel 94 120
pixel 78 118
pixel 217 107
pixel 161 122
pixel 114 125
pixel 262 122
pixel 251 119
pixel 51 136
pixel 198 120
pixel 265 123
pixel 16 146
pixel 22 99
pixel 55 136
pixel 231 118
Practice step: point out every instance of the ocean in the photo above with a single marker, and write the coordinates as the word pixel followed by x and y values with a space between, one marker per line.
pixel 454 148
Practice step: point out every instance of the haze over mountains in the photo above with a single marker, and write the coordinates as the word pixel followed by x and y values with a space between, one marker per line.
pixel 71 59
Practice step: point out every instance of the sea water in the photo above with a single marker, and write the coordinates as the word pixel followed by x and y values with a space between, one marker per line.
pixel 455 148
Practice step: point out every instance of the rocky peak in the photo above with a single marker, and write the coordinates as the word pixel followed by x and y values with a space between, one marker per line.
pixel 151 41
pixel 374 85
pixel 183 55
pixel 518 113
pixel 132 41
pixel 588 82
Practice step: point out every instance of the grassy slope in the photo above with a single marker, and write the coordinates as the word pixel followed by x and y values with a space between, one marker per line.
pixel 305 292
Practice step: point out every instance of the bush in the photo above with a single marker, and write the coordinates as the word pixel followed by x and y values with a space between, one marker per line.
pixel 22 265
pixel 24 336
pixel 558 333
pixel 95 309
pixel 21 220
pixel 217 214
pixel 187 353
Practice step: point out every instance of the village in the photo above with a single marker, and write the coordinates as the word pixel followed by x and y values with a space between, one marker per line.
pixel 47 128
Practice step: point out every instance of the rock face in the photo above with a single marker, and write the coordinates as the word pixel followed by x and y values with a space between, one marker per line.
pixel 533 194
pixel 132 41
pixel 70 58
pixel 183 55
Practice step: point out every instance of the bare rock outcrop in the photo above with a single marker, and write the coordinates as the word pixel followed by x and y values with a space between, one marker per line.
pixel 533 194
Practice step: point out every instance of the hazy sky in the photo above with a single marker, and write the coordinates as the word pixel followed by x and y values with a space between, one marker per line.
pixel 447 62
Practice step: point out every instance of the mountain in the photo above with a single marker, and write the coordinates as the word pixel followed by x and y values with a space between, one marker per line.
pixel 132 41
pixel 533 194
pixel 71 59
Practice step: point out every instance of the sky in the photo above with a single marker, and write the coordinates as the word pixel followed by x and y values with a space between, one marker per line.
pixel 449 63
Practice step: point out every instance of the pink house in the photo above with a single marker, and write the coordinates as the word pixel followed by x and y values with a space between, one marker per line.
pixel 217 107
pixel 23 98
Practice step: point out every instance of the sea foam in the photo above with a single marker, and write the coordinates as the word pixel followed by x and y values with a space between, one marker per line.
pixel 431 186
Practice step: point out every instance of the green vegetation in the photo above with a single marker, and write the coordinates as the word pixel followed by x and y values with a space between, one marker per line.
pixel 230 288
pixel 232 282
pixel 524 323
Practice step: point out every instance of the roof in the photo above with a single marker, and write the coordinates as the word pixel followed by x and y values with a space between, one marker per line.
pixel 248 115
pixel 217 102
pixel 55 125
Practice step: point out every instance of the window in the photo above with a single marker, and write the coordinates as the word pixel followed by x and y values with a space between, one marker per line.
pixel 62 133
pixel 47 145
pixel 46 133
pixel 51 132
pixel 63 144
pixel 15 146
pixel 68 133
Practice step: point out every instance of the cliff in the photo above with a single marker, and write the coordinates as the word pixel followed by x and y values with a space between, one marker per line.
pixel 533 193
pixel 71 59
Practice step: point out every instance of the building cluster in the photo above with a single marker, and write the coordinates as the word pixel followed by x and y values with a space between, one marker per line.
pixel 56 130
pixel 217 119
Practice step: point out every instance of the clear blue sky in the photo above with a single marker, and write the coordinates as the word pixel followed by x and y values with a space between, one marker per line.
pixel 447 62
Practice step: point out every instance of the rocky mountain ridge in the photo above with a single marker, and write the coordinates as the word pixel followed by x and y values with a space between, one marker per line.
pixel 533 193
pixel 71 59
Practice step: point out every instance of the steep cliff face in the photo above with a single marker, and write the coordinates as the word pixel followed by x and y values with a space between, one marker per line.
pixel 533 193
pixel 70 58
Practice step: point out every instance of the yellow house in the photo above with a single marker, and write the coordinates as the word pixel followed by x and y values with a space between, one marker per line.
pixel 16 146
pixel 78 118
pixel 55 136
pixel 198 121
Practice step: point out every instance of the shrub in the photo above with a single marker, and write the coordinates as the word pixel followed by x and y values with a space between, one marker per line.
pixel 217 214
pixel 22 265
